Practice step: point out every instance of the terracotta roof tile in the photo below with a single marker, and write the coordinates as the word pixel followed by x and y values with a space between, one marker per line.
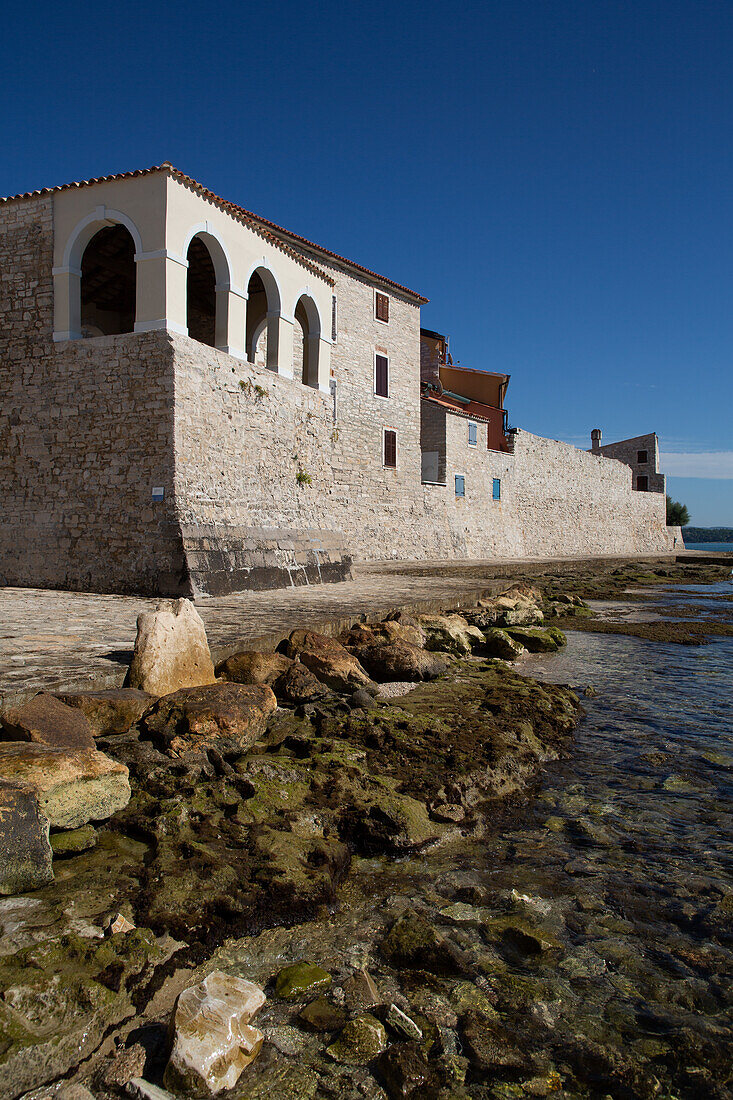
pixel 269 230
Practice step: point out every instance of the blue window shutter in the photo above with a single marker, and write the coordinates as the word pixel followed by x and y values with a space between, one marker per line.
pixel 496 490
pixel 460 485
pixel 472 434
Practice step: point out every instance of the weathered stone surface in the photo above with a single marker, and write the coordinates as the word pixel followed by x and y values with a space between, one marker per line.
pixel 125 1066
pixel 403 1069
pixel 321 1015
pixel 328 660
pixel 72 841
pixel 499 643
pixel 111 711
pixel 399 661
pixel 253 667
pixel 451 634
pixel 47 721
pixel 405 630
pixel 403 1024
pixel 361 1040
pixel 213 1040
pixel 360 991
pixel 520 605
pixel 300 978
pixel 171 650
pixel 140 1089
pixel 414 943
pixel 25 852
pixel 490 1047
pixel 298 685
pixel 228 717
pixel 72 787
pixel 536 640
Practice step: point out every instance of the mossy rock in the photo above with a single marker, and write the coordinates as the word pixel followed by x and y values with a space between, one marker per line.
pixel 413 943
pixel 302 978
pixel 70 842
pixel 362 1039
pixel 537 639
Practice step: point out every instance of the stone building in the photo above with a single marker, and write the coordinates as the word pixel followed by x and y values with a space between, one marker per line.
pixel 641 453
pixel 195 399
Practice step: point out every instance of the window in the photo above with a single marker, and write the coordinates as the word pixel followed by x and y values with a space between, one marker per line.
pixel 472 434
pixel 460 485
pixel 381 376
pixel 333 318
pixel 496 489
pixel 390 448
pixel 642 457
pixel 381 307
pixel 642 483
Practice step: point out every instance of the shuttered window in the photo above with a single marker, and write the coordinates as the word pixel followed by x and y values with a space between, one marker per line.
pixel 472 434
pixel 333 318
pixel 460 485
pixel 496 489
pixel 381 376
pixel 382 307
pixel 642 483
pixel 642 456
pixel 390 448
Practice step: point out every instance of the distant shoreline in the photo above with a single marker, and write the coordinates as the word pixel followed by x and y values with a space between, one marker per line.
pixel 708 535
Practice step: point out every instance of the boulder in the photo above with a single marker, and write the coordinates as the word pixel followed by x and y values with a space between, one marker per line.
pixel 399 661
pixel 226 717
pixel 298 685
pixel 72 787
pixel 213 1040
pixel 111 711
pixel 387 632
pixel 512 608
pixel 253 667
pixel 47 721
pixel 451 634
pixel 499 643
pixel 25 851
pixel 538 641
pixel 361 992
pixel 171 650
pixel 404 1070
pixel 328 660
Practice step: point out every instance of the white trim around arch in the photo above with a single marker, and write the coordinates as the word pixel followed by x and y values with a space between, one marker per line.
pixel 87 228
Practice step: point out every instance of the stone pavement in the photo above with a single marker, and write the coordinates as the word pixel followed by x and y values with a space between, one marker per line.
pixel 72 641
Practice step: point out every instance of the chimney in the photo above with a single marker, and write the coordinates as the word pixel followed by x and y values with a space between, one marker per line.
pixel 595 441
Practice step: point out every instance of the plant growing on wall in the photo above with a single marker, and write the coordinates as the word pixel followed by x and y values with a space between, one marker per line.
pixel 252 389
pixel 303 477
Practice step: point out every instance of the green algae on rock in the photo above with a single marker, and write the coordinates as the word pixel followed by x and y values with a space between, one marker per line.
pixel 361 1040
pixel 301 978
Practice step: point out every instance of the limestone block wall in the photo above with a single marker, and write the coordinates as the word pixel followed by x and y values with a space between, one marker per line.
pixel 85 431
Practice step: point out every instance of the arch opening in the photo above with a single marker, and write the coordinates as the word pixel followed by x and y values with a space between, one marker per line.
pixel 201 293
pixel 306 342
pixel 263 316
pixel 108 283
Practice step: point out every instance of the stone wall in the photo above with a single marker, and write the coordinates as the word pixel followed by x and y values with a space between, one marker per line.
pixel 85 432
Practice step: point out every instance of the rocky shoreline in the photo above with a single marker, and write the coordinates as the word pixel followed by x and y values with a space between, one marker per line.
pixel 252 793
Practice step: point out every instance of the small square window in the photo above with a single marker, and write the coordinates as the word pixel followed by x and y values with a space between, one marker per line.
pixel 381 307
pixel 381 376
pixel 496 489
pixel 460 485
pixel 390 448
pixel 642 457
pixel 472 434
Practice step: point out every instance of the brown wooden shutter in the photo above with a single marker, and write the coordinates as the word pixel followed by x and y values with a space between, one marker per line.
pixel 382 307
pixel 390 448
pixel 381 381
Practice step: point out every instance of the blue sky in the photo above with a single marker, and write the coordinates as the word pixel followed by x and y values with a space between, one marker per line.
pixel 555 176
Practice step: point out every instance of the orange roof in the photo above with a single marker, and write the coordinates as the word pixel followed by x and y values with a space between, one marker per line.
pixel 472 410
pixel 267 228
